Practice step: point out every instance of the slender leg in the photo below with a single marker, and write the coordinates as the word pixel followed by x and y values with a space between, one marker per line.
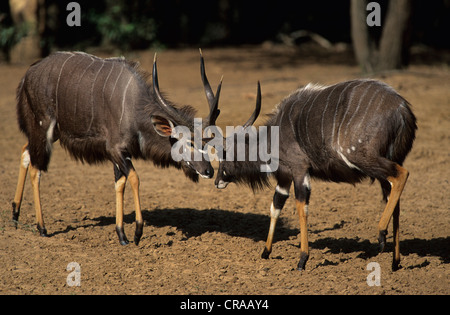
pixel 393 209
pixel 304 247
pixel 302 193
pixel 279 199
pixel 120 188
pixel 120 181
pixel 24 163
pixel 134 182
pixel 396 234
pixel 35 176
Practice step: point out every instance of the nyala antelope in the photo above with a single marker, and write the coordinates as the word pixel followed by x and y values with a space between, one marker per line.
pixel 101 110
pixel 341 133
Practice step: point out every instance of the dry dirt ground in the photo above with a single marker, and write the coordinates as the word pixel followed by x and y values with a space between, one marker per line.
pixel 200 240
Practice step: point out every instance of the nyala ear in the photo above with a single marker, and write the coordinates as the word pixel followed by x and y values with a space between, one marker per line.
pixel 163 126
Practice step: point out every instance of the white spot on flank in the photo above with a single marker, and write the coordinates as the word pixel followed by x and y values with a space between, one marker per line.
pixel 348 151
pixel 359 140
pixel 353 148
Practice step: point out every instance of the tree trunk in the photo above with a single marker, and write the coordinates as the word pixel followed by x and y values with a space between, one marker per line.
pixel 395 39
pixel 27 14
pixel 392 51
pixel 362 44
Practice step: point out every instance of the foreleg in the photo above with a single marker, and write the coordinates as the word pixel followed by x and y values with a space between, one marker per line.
pixel 279 199
pixel 302 188
pixel 23 170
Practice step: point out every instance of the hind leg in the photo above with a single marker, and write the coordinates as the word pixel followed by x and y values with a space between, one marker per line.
pixel 35 177
pixel 24 163
pixel 120 179
pixel 392 209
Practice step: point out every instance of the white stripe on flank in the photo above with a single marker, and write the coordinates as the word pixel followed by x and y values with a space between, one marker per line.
pixel 349 164
pixel 123 100
pixel 300 116
pixel 92 96
pixel 335 114
pixel 349 103
pixel 357 108
pixel 114 87
pixel 367 108
pixel 57 82
pixel 307 115
pixel 81 78
pixel 104 84
pixel 325 109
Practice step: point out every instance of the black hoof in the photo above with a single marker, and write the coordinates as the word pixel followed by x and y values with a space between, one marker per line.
pixel 138 233
pixel 396 265
pixel 382 239
pixel 42 231
pixel 265 254
pixel 122 237
pixel 303 259
pixel 15 213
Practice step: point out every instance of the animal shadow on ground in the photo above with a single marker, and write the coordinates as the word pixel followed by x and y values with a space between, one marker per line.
pixel 438 247
pixel 193 222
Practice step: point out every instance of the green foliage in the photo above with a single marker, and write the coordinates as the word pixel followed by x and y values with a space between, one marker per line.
pixel 124 31
pixel 11 35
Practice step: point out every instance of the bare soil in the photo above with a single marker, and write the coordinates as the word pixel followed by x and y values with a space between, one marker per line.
pixel 200 240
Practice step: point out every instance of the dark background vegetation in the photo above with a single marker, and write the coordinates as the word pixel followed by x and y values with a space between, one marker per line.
pixel 175 23
pixel 128 25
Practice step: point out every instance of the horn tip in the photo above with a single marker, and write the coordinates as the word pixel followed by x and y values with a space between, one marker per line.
pixel 201 53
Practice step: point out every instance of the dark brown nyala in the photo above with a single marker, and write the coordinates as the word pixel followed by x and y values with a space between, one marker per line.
pixel 101 110
pixel 341 133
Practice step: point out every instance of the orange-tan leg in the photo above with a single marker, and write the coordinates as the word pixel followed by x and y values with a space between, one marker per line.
pixel 120 188
pixel 35 177
pixel 23 170
pixel 393 209
pixel 134 182
pixel 302 209
pixel 279 199
pixel 302 188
